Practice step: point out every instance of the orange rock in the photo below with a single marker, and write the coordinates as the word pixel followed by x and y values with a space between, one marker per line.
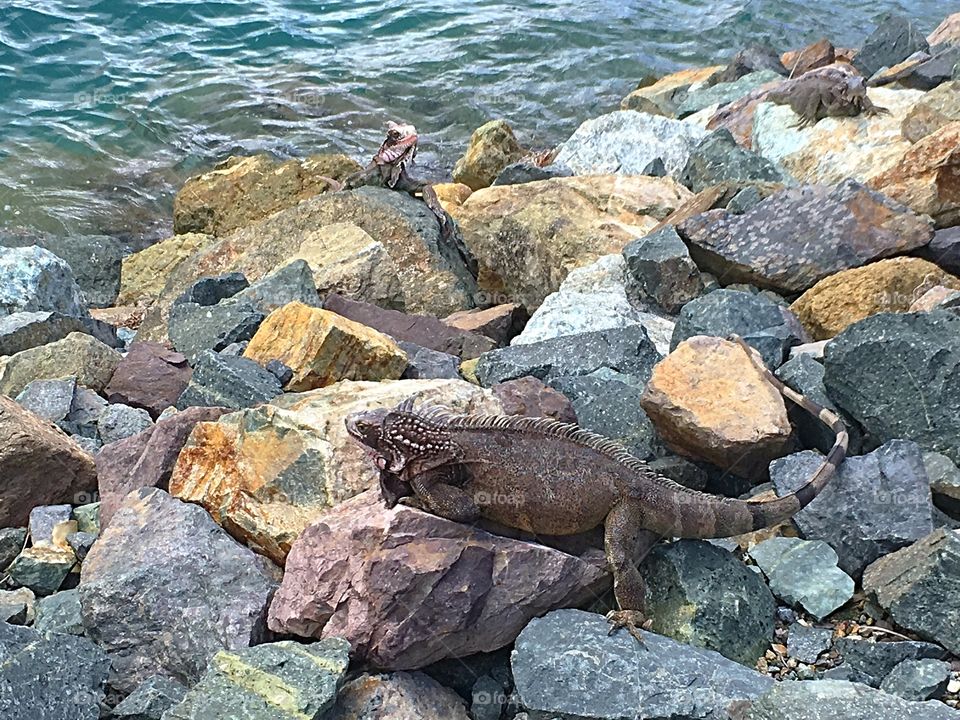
pixel 851 295
pixel 708 401
pixel 656 98
pixel 322 347
pixel 452 194
pixel 813 56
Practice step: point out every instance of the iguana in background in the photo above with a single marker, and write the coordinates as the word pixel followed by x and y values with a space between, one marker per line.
pixel 552 478
pixel 825 92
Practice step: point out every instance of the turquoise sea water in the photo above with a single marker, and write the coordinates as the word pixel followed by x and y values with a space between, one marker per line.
pixel 107 105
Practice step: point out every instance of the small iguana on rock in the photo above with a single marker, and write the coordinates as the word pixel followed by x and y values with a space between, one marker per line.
pixel 824 92
pixel 552 478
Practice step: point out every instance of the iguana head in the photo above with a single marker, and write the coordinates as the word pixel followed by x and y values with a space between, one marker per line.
pixel 400 146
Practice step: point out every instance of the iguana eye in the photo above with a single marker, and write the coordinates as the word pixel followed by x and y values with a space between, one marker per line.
pixel 381 463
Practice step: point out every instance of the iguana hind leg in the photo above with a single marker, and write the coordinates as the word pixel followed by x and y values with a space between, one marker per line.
pixel 436 489
pixel 627 543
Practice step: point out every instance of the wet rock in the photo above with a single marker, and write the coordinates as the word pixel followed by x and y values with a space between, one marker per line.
pixel 918 587
pixel 50 678
pixel 523 172
pixel 769 246
pixel 896 375
pixel 144 460
pixel 660 269
pixel 150 376
pixel 892 285
pixel 397 696
pixel 917 680
pixel 118 421
pixel 530 397
pixel 150 699
pixel 80 355
pixel 12 541
pixel 42 569
pixel 209 291
pixel 708 401
pixel 291 283
pixel 241 190
pixel 528 237
pixel 194 328
pixel 925 177
pixel 266 473
pixel 877 502
pixel 492 147
pixel 700 594
pixel 35 280
pixel 276 681
pixel 565 666
pixel 717 158
pixel 329 578
pixel 624 142
pixel 807 644
pixel 839 700
pixel 424 330
pixel 43 520
pixel 894 40
pixel 873 661
pixel 24 330
pixel 50 399
pixel 424 363
pixel 322 347
pixel 499 323
pixel 627 350
pixel 804 573
pixel 144 274
pixel 59 613
pixel 228 382
pixel 764 324
pixel 145 573
pixel 38 456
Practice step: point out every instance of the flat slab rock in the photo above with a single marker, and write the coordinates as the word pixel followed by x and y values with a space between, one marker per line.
pixel 407 588
pixel 163 563
pixel 565 666
pixel 802 234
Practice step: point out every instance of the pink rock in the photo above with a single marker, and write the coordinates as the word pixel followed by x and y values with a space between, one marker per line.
pixel 532 398
pixel 407 588
pixel 151 377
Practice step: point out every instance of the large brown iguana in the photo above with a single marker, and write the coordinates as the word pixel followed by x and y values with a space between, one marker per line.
pixel 552 478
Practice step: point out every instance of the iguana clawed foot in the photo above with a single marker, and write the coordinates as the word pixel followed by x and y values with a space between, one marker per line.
pixel 631 620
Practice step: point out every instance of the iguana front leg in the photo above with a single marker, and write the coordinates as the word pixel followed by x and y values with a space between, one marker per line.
pixel 627 543
pixel 438 493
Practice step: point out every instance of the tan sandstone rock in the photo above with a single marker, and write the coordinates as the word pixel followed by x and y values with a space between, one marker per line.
pixel 842 299
pixel 939 107
pixel 322 347
pixel 658 97
pixel 451 195
pixel 78 354
pixel 708 401
pixel 527 237
pixel 241 190
pixel 268 472
pixel 144 274
pixel 492 147
pixel 946 32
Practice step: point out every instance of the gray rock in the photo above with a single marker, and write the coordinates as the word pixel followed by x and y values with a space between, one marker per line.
pixel 944 479
pixel 840 700
pixel 626 350
pixel 920 588
pixel 566 667
pixel 626 141
pixel 84 413
pixel 807 644
pixel 745 200
pixel 292 283
pixel 805 375
pixel 752 59
pixel 717 158
pixel 119 421
pixel 235 349
pixel 150 699
pixel 12 540
pixel 424 363
pixel 208 291
pixel 655 168
pixel 277 681
pixel 50 399
pixel 88 517
pixel 13 610
pixel 764 324
pixel 804 573
pixel 876 504
pixel 194 328
pixel 524 171
pixel 873 661
pixel 944 249
pixel 283 373
pixel 163 563
pixel 917 680
pixel 894 40
pixel 940 68
pixel 608 402
pixel 725 92
pixel 59 613
pixel 705 596
pixel 24 330
pixel 681 470
pixel 80 543
pixel 230 382
pixel 898 375
pixel 50 678
pixel 43 519
pixel 35 280
pixel 487 699
pixel 660 270
pixel 770 245
pixel 42 569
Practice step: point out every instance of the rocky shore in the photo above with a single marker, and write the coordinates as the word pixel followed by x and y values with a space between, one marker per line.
pixel 188 532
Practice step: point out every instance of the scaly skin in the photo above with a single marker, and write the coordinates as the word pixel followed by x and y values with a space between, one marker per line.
pixel 550 478
pixel 825 92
